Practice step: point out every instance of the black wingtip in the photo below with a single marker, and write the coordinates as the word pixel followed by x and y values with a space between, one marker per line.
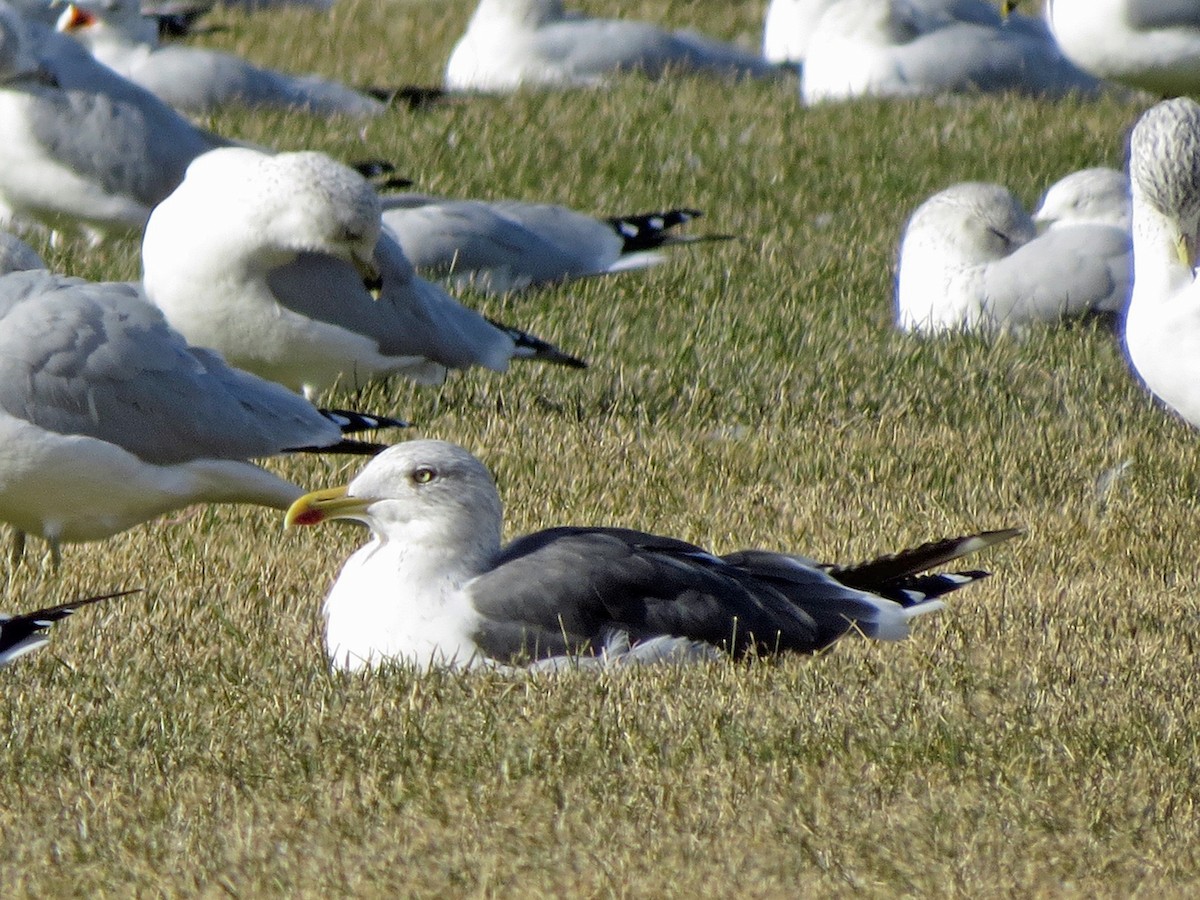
pixel 352 422
pixel 414 96
pixel 875 573
pixel 344 448
pixel 532 347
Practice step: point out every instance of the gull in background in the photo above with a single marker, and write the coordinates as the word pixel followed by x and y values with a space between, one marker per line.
pixel 905 48
pixel 1162 327
pixel 83 148
pixel 536 43
pixel 25 632
pixel 108 418
pixel 195 79
pixel 1096 196
pixel 279 262
pixel 1149 44
pixel 434 586
pixel 500 246
pixel 971 259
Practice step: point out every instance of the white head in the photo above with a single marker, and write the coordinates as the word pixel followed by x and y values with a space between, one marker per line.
pixel 1164 174
pixel 1096 196
pixel 275 206
pixel 428 494
pixel 970 224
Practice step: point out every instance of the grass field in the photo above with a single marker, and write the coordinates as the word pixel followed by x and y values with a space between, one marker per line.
pixel 1039 737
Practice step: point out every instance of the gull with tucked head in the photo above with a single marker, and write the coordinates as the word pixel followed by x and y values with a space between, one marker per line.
pixel 435 587
pixel 971 259
pixel 279 263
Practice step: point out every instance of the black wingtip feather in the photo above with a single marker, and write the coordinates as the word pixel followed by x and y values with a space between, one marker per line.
pixel 352 422
pixel 883 571
pixel 345 448
pixel 62 610
pixel 646 231
pixel 532 347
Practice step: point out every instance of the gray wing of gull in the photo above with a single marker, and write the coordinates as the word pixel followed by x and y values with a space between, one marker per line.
pixel 197 79
pixel 411 316
pixel 1066 271
pixel 521 244
pixel 556 591
pixel 596 47
pixel 97 359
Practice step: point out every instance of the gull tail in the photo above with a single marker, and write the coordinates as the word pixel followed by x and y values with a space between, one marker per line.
pixel 884 571
pixel 530 346
pixel 649 231
pixel 24 633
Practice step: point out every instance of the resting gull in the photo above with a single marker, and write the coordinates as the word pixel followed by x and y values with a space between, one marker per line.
pixel 511 43
pixel 24 633
pixel 195 79
pixel 1162 327
pixel 264 259
pixel 971 259
pixel 108 418
pixel 1096 196
pixel 902 48
pixel 82 147
pixel 500 246
pixel 434 587
pixel 1150 44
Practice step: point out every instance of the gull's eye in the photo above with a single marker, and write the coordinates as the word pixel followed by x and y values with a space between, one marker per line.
pixel 423 474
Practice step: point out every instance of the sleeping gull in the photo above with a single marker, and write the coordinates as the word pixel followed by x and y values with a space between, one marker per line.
pixel 83 147
pixel 195 79
pixel 1149 44
pixel 971 259
pixel 510 43
pixel 1162 327
pixel 506 245
pixel 1096 196
pixel 264 259
pixel 902 48
pixel 108 418
pixel 435 587
pixel 789 24
pixel 24 633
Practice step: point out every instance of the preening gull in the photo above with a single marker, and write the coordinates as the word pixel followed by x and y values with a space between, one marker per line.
pixel 24 633
pixel 506 245
pixel 1150 44
pixel 971 259
pixel 108 418
pixel 434 587
pixel 82 147
pixel 264 259
pixel 1096 196
pixel 1162 327
pixel 195 79
pixel 903 48
pixel 510 43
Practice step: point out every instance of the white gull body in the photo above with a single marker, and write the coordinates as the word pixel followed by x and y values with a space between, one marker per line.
pixel 537 43
pixel 1150 44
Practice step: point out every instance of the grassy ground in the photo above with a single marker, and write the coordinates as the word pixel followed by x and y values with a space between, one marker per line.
pixel 1039 737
